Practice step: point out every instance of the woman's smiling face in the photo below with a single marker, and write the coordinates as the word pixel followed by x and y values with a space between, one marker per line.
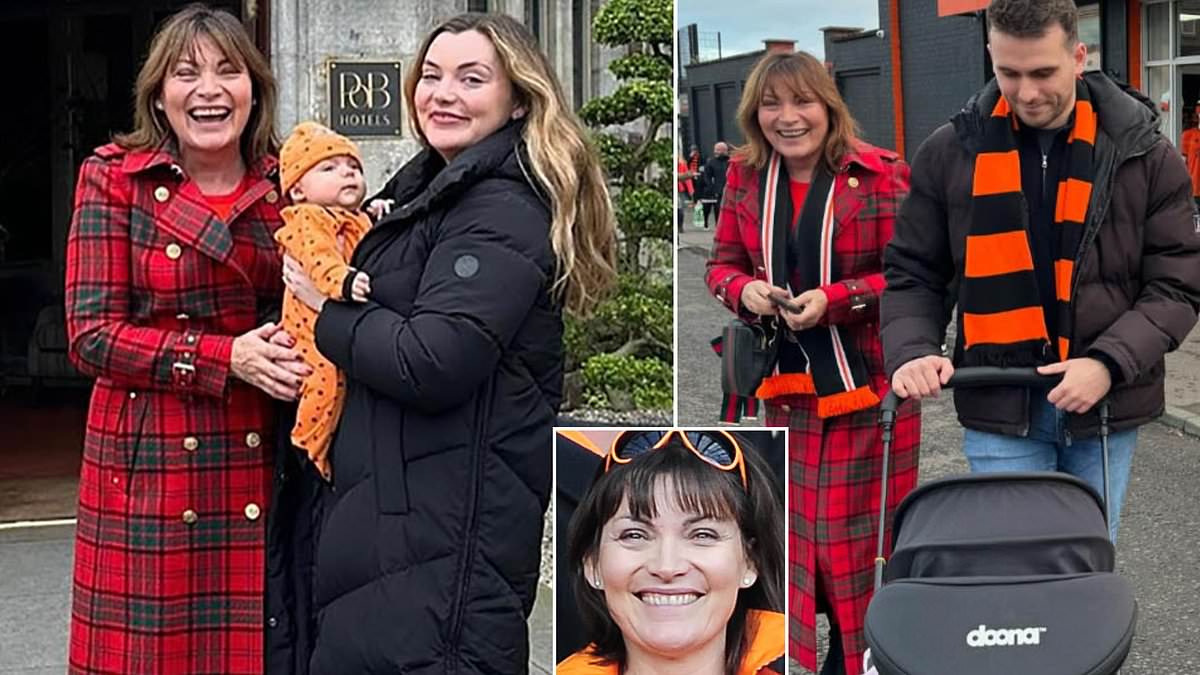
pixel 464 94
pixel 670 581
pixel 206 97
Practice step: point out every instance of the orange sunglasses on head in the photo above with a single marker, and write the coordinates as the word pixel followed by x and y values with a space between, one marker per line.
pixel 716 447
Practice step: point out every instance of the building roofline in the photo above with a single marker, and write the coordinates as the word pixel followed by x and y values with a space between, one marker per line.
pixel 731 57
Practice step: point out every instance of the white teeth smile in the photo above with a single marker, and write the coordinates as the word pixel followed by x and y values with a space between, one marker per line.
pixel 658 599
pixel 792 133
pixel 207 114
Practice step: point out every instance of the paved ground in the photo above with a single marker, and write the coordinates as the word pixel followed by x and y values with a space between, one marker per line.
pixel 1160 528
pixel 35 590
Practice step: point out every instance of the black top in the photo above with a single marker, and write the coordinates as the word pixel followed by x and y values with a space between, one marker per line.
pixel 1040 187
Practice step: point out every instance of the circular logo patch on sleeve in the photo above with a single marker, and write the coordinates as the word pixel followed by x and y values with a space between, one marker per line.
pixel 466 266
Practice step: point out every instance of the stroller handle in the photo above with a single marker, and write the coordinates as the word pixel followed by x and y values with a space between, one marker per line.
pixel 974 377
pixel 984 376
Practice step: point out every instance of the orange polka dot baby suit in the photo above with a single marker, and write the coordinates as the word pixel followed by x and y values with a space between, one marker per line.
pixel 321 237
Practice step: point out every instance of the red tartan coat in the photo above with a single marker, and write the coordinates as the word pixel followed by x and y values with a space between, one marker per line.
pixel 834 464
pixel 176 474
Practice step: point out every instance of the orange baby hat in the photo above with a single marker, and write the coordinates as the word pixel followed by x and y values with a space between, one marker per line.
pixel 308 144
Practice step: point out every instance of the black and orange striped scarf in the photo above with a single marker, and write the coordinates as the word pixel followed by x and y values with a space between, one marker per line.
pixel 1003 322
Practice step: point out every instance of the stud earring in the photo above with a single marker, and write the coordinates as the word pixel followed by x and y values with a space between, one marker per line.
pixel 597 583
pixel 747 582
pixel 158 104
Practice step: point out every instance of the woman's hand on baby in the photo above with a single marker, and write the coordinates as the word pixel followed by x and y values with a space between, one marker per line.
pixel 259 359
pixel 360 288
pixel 300 285
pixel 379 208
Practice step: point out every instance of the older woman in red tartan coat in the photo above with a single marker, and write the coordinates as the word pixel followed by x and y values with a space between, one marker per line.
pixel 805 217
pixel 170 265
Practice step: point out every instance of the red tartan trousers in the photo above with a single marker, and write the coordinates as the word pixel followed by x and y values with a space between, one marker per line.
pixel 834 480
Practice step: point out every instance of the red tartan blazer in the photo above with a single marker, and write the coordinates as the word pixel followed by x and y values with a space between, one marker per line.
pixel 868 188
pixel 176 472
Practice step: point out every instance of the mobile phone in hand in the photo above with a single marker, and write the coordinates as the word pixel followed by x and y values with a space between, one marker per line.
pixel 786 304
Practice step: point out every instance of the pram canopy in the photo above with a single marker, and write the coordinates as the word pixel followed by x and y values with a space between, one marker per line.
pixel 1000 524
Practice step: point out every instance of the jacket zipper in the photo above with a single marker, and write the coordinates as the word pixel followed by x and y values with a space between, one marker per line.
pixel 483 414
pixel 1045 161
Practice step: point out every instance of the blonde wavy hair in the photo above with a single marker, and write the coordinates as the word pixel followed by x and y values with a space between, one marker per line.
pixel 583 228
pixel 803 74
pixel 179 35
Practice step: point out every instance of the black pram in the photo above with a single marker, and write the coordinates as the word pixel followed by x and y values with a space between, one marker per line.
pixel 1000 574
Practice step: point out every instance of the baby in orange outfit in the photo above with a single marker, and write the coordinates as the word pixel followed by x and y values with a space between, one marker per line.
pixel 322 173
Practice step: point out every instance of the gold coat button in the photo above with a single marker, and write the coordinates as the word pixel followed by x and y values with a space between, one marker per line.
pixel 161 193
pixel 853 182
pixel 253 439
pixel 252 511
pixel 191 443
pixel 174 251
pixel 272 197
pixel 190 517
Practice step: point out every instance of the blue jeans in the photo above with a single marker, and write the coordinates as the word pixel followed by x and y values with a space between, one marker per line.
pixel 1048 449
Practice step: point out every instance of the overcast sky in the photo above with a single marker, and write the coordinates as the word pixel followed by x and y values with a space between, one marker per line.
pixel 744 24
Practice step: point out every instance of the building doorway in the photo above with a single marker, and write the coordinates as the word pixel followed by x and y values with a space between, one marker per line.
pixel 72 65
pixel 1171 54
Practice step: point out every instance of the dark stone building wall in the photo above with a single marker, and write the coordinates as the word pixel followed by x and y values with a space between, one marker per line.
pixel 862 68
pixel 714 89
pixel 943 62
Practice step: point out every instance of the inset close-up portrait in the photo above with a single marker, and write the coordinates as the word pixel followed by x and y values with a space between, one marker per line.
pixel 670 551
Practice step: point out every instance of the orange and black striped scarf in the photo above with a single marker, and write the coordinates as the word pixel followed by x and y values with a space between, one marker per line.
pixel 1003 322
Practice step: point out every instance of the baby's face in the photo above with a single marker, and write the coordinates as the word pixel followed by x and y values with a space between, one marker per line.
pixel 334 181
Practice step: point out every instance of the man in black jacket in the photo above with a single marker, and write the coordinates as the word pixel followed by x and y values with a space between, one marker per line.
pixel 1061 221
pixel 712 180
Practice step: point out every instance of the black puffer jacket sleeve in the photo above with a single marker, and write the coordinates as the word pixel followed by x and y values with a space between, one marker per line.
pixel 918 262
pixel 1165 311
pixel 480 281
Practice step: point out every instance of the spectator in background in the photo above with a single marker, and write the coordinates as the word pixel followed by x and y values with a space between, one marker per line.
pixel 686 189
pixel 712 178
pixel 695 161
pixel 1189 146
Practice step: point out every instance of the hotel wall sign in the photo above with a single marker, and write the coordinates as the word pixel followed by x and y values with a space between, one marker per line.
pixel 364 98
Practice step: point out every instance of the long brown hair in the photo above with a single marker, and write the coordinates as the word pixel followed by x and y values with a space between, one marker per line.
pixel 583 228
pixel 803 74
pixel 180 34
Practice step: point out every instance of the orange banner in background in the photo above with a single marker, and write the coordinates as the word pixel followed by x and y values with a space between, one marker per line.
pixel 952 7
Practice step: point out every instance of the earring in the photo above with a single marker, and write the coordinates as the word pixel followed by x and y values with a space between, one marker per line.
pixel 158 104
pixel 747 582
pixel 597 583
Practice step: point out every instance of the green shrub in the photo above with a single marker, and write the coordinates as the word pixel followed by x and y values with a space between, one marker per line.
pixel 627 382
